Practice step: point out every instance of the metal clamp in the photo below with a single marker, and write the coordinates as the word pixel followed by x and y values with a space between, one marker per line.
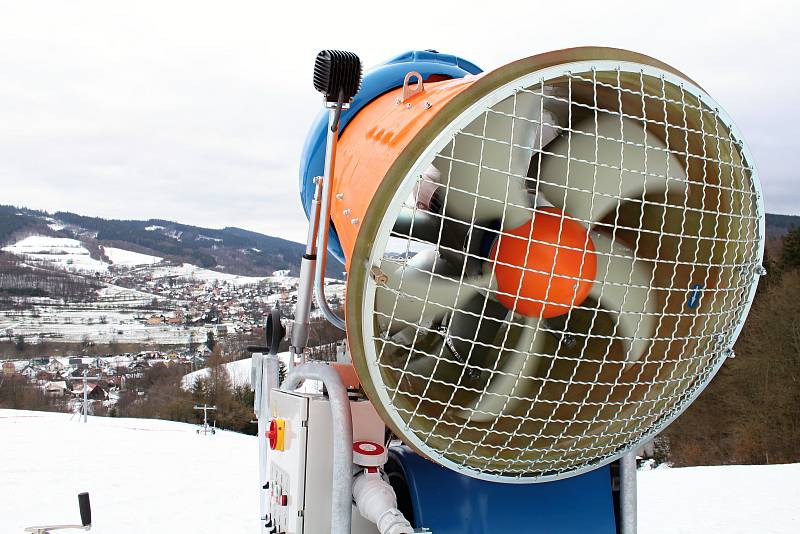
pixel 410 90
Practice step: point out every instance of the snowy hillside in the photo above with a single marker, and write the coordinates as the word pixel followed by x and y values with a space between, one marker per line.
pixel 193 272
pixel 231 250
pixel 239 371
pixel 127 258
pixel 158 476
pixel 117 313
pixel 72 255
pixel 60 252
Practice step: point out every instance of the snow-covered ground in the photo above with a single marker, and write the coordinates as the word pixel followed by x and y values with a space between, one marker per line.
pixel 127 258
pixel 117 314
pixel 239 371
pixel 187 270
pixel 61 252
pixel 731 499
pixel 158 476
pixel 142 475
pixel 78 322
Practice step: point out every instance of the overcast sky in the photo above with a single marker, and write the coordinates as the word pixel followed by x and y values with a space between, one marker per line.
pixel 196 111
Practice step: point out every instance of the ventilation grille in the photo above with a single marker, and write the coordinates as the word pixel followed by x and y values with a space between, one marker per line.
pixel 650 170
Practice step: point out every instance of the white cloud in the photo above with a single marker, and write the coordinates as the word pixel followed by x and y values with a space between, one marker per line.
pixel 197 111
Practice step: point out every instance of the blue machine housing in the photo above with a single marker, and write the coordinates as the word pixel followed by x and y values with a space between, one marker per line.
pixel 378 81
pixel 447 502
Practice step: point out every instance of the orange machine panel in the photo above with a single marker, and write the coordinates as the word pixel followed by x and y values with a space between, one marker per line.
pixel 371 143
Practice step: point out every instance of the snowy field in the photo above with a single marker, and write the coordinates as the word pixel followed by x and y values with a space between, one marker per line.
pixel 731 499
pixel 127 258
pixel 159 476
pixel 192 272
pixel 116 315
pixel 61 252
pixel 142 475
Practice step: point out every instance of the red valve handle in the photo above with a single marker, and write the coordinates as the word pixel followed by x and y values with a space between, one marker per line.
pixel 272 434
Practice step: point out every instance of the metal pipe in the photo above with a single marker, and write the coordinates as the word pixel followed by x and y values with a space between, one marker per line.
pixel 302 310
pixel 313 218
pixel 342 423
pixel 627 493
pixel 85 396
pixel 325 219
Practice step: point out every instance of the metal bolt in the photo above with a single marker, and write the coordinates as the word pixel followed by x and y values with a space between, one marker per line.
pixel 317 179
pixel 354 221
pixel 398 101
pixel 339 196
pixel 380 277
pixel 346 212
pixel 729 353
pixel 761 270
pixel 427 105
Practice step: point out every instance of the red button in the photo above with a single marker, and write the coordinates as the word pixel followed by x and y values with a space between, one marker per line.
pixel 284 500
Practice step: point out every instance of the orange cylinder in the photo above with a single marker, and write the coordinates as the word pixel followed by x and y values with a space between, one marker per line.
pixel 372 142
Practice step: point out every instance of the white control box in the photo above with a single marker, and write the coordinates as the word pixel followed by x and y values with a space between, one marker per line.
pixel 299 477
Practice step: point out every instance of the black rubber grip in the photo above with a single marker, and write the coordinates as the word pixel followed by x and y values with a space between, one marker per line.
pixel 86 509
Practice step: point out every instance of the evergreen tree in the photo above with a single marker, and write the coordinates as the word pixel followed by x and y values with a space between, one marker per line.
pixel 210 341
pixel 791 248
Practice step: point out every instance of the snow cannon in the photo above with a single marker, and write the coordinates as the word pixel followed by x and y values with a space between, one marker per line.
pixel 546 264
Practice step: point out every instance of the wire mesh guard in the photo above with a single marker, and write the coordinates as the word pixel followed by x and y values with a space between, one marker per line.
pixel 567 273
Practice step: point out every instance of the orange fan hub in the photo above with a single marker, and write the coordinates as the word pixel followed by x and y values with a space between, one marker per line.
pixel 545 266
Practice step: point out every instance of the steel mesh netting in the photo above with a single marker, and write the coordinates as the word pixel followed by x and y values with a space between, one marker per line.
pixel 670 203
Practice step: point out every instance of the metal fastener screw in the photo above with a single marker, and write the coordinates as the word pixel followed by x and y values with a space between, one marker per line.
pixel 317 179
pixel 354 222
pixel 761 270
pixel 379 276
pixel 346 212
pixel 409 106
pixel 398 101
pixel 339 196
pixel 427 105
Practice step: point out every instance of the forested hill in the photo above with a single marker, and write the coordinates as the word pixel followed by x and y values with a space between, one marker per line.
pixel 229 249
pixel 778 225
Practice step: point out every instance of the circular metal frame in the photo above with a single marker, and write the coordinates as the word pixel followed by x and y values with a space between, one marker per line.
pixel 399 181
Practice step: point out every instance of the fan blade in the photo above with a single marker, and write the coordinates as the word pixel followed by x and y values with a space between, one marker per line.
pixel 419 225
pixel 589 191
pixel 463 341
pixel 515 368
pixel 471 331
pixel 415 296
pixel 490 159
pixel 623 289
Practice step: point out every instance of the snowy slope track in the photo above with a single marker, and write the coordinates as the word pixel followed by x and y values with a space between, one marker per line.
pixel 143 475
pixel 155 476
pixel 726 499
